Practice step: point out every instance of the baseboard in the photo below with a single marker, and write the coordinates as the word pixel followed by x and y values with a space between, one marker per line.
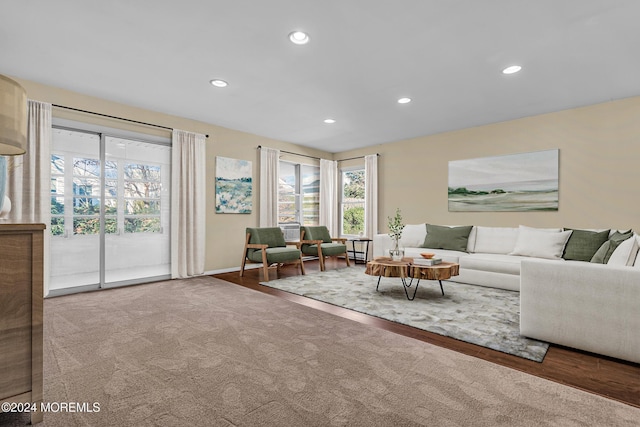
pixel 249 266
pixel 231 269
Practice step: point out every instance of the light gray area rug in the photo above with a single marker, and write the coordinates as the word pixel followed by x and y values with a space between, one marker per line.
pixel 479 315
pixel 204 352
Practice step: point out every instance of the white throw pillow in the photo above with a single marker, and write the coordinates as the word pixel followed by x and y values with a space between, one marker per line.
pixel 540 243
pixel 625 253
pixel 495 240
pixel 413 235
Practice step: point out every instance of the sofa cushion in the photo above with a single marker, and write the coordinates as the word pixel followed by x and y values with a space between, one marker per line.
pixel 540 243
pixel 625 254
pixel 444 254
pixel 451 238
pixel 413 235
pixel 602 255
pixel 583 244
pixel 495 263
pixel 495 240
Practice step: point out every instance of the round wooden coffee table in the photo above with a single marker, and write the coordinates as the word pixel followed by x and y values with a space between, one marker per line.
pixel 386 267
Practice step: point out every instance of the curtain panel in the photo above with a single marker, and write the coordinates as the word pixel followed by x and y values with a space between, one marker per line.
pixel 29 178
pixel 329 196
pixel 188 204
pixel 371 195
pixel 269 174
pixel 29 175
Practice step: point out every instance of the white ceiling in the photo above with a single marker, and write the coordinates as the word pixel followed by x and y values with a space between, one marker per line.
pixel 363 55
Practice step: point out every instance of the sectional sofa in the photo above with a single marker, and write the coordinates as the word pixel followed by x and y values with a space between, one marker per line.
pixel 578 288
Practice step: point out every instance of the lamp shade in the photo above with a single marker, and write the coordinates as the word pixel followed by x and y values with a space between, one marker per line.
pixel 13 118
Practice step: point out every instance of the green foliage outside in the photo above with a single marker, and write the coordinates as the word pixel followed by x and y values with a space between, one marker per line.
pixel 353 220
pixel 142 225
pixel 86 209
pixel 92 225
pixel 355 188
pixel 57 223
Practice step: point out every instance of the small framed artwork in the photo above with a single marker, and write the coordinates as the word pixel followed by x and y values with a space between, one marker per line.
pixel 510 183
pixel 233 185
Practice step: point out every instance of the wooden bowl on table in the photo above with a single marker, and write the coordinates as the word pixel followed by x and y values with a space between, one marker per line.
pixel 427 255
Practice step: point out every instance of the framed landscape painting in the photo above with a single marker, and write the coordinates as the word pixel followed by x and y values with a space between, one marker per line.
pixel 510 183
pixel 233 185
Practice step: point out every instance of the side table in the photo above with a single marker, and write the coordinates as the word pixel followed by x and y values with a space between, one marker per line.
pixel 364 254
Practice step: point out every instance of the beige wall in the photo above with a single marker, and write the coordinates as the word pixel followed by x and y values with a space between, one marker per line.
pixel 225 232
pixel 599 157
pixel 599 168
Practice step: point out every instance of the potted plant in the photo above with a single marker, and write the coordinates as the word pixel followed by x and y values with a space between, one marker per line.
pixel 395 232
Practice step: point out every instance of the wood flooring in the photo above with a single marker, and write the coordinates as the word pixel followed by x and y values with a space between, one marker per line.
pixel 612 378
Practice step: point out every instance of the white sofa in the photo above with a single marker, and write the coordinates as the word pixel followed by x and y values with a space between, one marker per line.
pixel 489 258
pixel 588 306
pixel 592 307
pixel 486 262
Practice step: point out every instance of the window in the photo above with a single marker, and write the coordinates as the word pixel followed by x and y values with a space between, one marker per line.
pixel 86 197
pixel 140 205
pixel 110 208
pixel 57 195
pixel 352 206
pixel 142 186
pixel 298 194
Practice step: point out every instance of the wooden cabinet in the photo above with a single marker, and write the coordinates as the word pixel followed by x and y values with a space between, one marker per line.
pixel 21 295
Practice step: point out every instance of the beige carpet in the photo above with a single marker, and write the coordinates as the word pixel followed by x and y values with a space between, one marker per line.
pixel 203 352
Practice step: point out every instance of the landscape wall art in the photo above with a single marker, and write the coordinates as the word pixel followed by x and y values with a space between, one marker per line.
pixel 233 185
pixel 509 183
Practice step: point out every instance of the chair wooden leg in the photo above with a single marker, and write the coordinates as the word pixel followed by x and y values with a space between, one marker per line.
pixel 244 261
pixel 244 254
pixel 346 256
pixel 265 266
pixel 301 264
pixel 321 257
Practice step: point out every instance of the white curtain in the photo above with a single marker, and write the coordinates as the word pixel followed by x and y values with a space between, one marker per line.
pixel 329 195
pixel 188 202
pixel 371 195
pixel 29 174
pixel 29 178
pixel 269 174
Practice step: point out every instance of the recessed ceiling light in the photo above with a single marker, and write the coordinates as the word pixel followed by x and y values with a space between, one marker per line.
pixel 329 121
pixel 512 69
pixel 299 37
pixel 219 83
pixel 404 100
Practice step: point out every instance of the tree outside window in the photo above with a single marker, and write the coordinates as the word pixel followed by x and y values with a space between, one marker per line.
pixel 353 195
pixel 132 197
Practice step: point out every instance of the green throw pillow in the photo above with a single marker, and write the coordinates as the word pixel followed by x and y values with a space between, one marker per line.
pixel 603 254
pixel 583 244
pixel 452 238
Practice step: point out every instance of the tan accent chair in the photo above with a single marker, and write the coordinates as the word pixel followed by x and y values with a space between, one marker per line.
pixel 317 241
pixel 266 245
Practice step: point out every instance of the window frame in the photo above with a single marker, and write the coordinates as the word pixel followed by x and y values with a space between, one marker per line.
pixel 68 157
pixel 354 203
pixel 299 195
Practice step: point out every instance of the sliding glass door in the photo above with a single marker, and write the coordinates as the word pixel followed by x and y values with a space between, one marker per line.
pixel 75 209
pixel 137 187
pixel 110 210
